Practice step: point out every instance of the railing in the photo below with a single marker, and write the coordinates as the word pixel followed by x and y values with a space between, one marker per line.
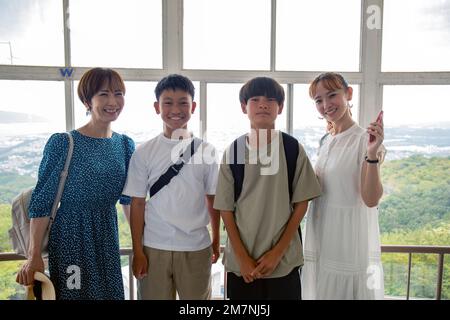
pixel 439 250
pixel 8 256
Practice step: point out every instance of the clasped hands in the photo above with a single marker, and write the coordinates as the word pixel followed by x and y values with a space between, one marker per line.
pixel 252 269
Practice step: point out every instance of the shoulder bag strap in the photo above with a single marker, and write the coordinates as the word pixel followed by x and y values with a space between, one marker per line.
pixel 62 180
pixel 174 169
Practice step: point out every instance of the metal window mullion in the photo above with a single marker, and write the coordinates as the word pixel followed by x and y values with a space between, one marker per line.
pixel 51 73
pixel 370 65
pixel 9 72
pixel 415 78
pixel 68 82
pixel 290 109
pixel 165 45
pixel 273 34
pixel 172 35
pixel 203 110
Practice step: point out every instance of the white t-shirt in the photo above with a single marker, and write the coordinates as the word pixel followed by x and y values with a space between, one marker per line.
pixel 176 218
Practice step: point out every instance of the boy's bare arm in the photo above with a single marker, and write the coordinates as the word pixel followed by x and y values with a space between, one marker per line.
pixel 137 223
pixel 270 260
pixel 140 262
pixel 215 227
pixel 247 264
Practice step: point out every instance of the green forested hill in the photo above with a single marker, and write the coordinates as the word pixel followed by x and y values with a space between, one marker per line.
pixel 11 184
pixel 5 225
pixel 417 193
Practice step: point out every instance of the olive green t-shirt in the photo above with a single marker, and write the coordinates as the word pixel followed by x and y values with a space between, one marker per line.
pixel 263 209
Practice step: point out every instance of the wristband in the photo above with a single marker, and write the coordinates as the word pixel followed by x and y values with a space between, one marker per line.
pixel 371 161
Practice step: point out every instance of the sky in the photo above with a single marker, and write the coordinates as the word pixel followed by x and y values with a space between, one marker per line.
pixel 311 35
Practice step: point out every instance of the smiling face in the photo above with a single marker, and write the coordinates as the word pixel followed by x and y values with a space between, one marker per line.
pixel 102 91
pixel 332 103
pixel 331 94
pixel 262 111
pixel 176 108
pixel 107 104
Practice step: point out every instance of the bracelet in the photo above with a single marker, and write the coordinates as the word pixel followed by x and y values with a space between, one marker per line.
pixel 371 161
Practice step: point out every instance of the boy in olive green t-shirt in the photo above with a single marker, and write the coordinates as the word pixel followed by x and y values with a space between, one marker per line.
pixel 264 252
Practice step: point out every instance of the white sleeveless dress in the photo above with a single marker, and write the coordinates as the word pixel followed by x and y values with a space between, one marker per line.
pixel 342 243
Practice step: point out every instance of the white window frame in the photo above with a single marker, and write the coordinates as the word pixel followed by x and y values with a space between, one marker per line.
pixel 369 77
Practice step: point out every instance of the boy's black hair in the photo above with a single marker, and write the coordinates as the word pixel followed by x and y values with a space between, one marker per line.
pixel 174 82
pixel 262 86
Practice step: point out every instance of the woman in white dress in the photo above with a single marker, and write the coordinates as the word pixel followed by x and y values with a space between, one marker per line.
pixel 342 245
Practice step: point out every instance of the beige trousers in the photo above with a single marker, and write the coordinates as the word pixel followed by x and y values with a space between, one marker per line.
pixel 187 273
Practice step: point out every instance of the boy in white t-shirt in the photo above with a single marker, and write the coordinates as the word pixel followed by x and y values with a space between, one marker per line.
pixel 172 248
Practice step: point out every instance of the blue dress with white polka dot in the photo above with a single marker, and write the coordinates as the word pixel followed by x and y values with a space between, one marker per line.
pixel 84 259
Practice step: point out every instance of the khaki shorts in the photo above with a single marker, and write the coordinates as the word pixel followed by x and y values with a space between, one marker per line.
pixel 187 273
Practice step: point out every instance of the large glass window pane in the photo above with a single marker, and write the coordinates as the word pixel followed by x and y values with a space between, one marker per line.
pixel 415 207
pixel 308 125
pixel 138 118
pixel 226 121
pixel 31 32
pixel 416 120
pixel 31 107
pixel 30 111
pixel 116 33
pixel 230 34
pixel 318 35
pixel 424 30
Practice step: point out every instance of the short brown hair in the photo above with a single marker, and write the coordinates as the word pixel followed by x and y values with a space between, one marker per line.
pixel 92 81
pixel 330 80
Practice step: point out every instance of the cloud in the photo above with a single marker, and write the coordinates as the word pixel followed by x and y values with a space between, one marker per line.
pixel 438 14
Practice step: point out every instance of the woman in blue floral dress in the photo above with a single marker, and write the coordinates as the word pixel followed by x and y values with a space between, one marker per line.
pixel 84 259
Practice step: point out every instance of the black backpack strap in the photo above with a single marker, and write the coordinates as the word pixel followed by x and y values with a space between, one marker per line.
pixel 291 150
pixel 237 164
pixel 174 169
